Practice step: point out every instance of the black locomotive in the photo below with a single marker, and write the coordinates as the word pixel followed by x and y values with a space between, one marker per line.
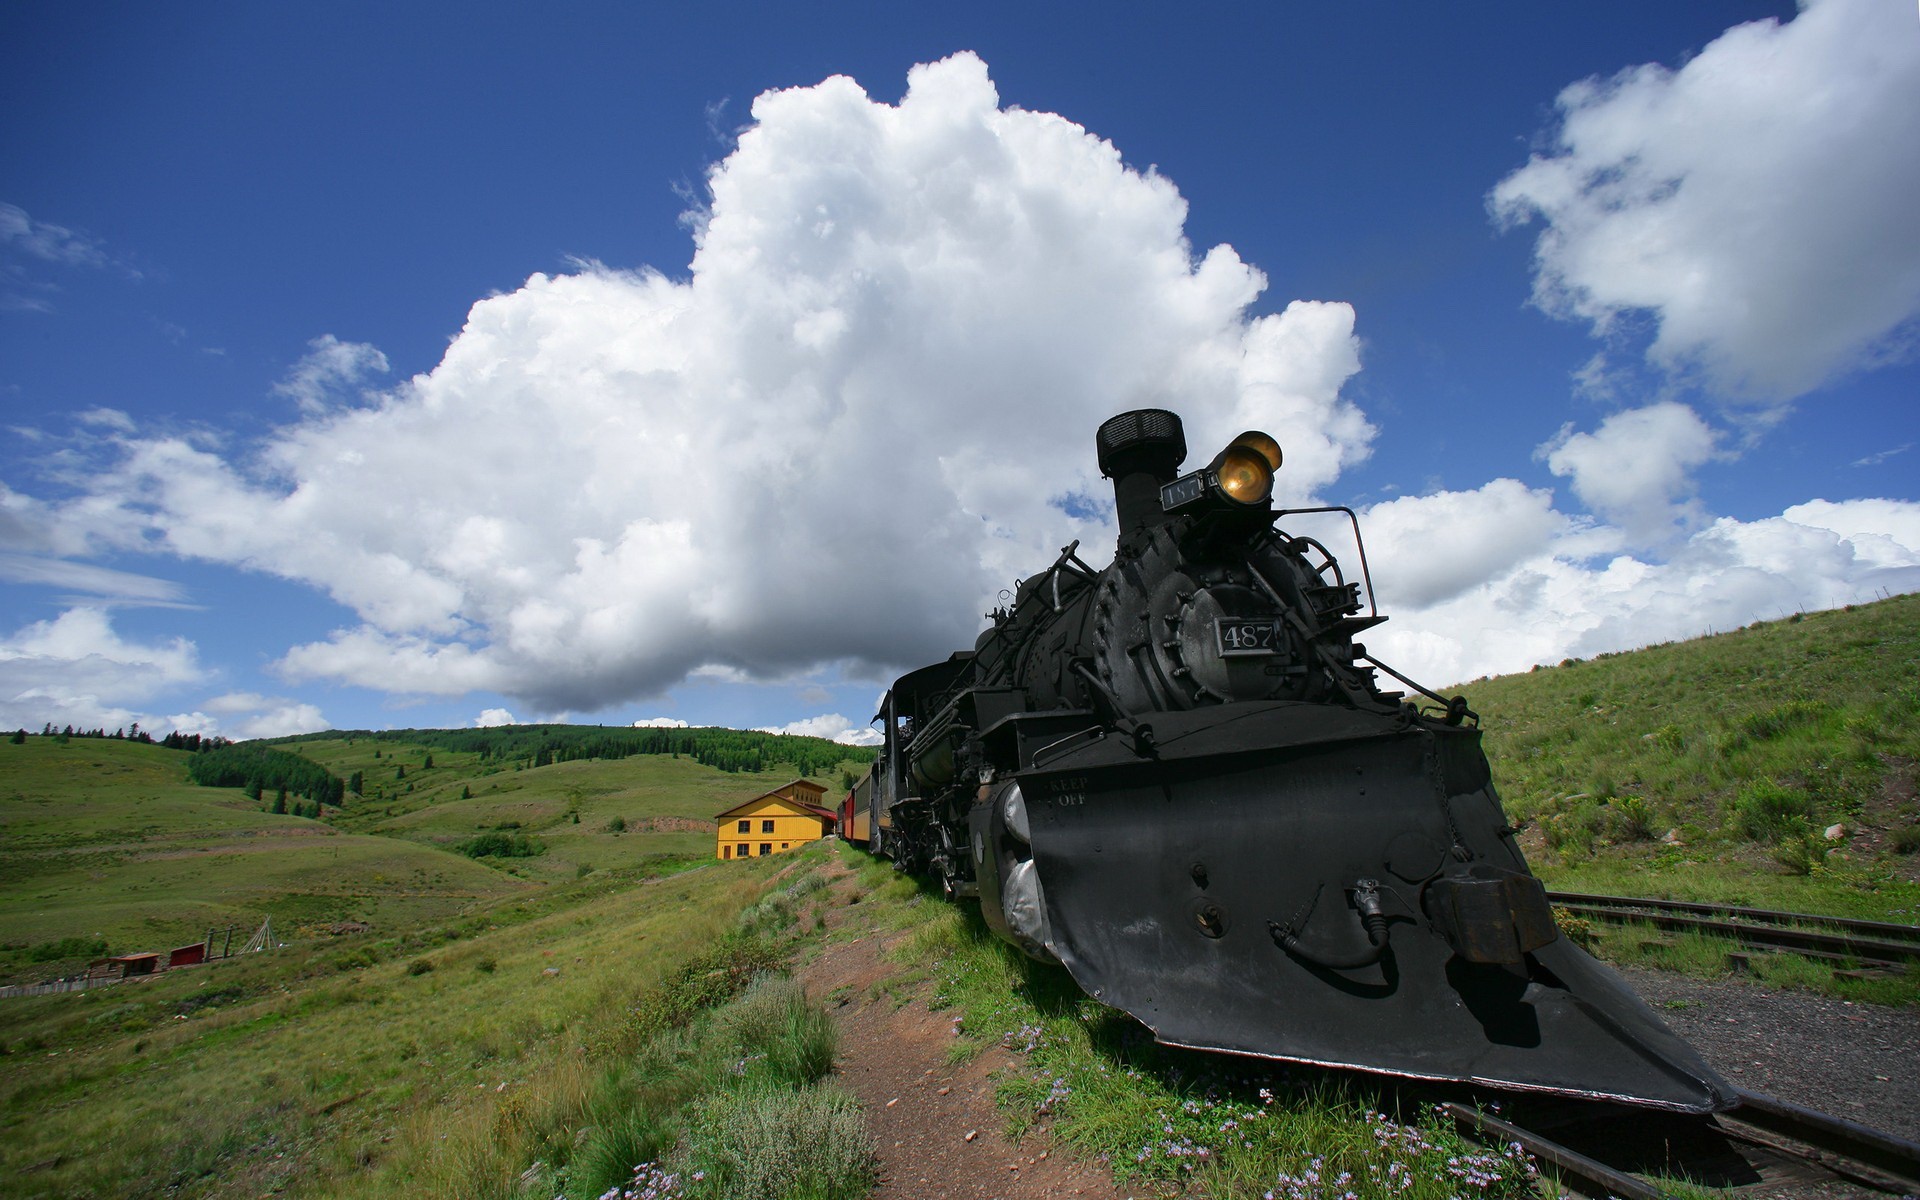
pixel 1179 778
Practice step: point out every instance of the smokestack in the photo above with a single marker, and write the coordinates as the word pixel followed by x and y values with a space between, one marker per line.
pixel 1140 451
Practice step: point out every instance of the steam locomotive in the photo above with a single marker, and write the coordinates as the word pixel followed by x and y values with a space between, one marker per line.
pixel 1179 777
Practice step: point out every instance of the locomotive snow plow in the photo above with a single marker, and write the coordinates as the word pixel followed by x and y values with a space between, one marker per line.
pixel 1177 777
pixel 1306 903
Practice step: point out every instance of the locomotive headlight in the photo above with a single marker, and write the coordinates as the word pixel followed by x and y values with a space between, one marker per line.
pixel 1264 444
pixel 1244 475
pixel 1241 476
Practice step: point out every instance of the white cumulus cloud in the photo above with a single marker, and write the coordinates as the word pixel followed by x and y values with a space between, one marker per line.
pixel 76 670
pixel 1564 600
pixel 1758 201
pixel 833 727
pixel 832 442
pixel 659 723
pixel 1637 468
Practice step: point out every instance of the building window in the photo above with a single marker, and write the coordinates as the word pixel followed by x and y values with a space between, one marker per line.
pixel 726 852
pixel 783 845
pixel 745 826
pixel 766 848
pixel 766 826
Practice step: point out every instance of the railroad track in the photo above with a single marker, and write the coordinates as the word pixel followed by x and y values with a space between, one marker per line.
pixel 1874 944
pixel 1603 1150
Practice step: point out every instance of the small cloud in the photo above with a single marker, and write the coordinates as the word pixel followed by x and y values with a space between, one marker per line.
pixel 659 723
pixel 236 702
pixel 490 718
pixel 329 367
pixel 106 418
pixel 102 583
pixel 48 242
pixel 1874 460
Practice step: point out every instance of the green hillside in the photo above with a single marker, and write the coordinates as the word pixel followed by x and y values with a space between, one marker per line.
pixel 583 814
pixel 1712 768
pixel 104 840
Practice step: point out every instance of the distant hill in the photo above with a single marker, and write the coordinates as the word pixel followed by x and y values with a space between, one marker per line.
pixel 1753 741
pixel 104 841
pixel 540 745
pixel 580 812
pixel 109 845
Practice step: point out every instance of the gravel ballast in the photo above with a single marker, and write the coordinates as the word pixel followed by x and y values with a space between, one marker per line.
pixel 1857 1061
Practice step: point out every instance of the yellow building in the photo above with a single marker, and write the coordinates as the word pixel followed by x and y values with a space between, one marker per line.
pixel 780 820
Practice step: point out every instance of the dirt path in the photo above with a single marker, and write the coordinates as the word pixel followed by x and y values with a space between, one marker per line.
pixel 938 1131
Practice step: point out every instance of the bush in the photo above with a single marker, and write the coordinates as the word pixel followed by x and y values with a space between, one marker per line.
pixel 1775 722
pixel 1801 853
pixel 1576 829
pixel 773 1144
pixel 1577 930
pixel 420 966
pixel 68 947
pixel 495 844
pixel 1631 819
pixel 608 1158
pixel 1767 811
pixel 778 1034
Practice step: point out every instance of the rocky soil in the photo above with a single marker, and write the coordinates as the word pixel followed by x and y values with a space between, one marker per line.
pixel 1858 1061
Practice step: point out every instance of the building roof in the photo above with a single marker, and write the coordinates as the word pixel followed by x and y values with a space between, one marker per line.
pixel 799 806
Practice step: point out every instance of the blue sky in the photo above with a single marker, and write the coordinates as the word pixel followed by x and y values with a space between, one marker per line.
pixel 359 369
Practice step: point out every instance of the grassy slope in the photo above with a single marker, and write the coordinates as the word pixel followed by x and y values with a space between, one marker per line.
pixel 1742 748
pixel 105 837
pixel 419 1058
pixel 426 807
pixel 415 1065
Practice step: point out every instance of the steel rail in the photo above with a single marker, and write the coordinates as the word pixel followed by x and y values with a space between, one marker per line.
pixel 1849 1140
pixel 1879 929
pixel 1601 1180
pixel 1762 935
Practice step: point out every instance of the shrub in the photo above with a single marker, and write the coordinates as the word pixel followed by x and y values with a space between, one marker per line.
pixel 617 825
pixel 1775 722
pixel 1575 829
pixel 1907 840
pixel 608 1158
pixel 496 844
pixel 1631 819
pixel 1801 853
pixel 1577 930
pixel 1767 811
pixel 787 1039
pixel 68 947
pixel 420 966
pixel 773 1144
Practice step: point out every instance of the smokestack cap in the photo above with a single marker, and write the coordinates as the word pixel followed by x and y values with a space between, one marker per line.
pixel 1143 436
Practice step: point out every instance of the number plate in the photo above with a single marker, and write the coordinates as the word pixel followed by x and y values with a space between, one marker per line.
pixel 1236 635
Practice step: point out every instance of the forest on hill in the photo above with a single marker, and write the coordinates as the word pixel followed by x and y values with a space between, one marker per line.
pixel 730 750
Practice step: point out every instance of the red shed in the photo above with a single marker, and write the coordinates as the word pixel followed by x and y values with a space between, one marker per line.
pixel 187 956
